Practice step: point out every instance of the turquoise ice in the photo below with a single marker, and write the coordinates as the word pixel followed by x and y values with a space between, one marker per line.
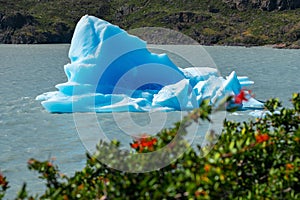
pixel 112 71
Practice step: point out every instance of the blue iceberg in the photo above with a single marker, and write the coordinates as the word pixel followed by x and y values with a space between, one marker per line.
pixel 112 71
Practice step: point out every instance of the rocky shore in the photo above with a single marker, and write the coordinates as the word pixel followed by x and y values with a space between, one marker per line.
pixel 226 22
pixel 266 5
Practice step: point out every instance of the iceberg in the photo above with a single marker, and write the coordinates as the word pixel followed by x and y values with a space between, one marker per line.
pixel 113 71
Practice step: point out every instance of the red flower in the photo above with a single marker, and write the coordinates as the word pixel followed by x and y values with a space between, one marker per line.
pixel 1 179
pixel 289 166
pixel 144 142
pixel 3 182
pixel 154 140
pixel 262 138
pixel 134 145
pixel 207 167
pixel 200 192
pixel 239 98
pixel 80 187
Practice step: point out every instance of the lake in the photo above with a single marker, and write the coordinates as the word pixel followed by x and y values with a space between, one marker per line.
pixel 28 131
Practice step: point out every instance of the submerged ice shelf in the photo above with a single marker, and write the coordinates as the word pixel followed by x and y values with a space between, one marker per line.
pixel 112 71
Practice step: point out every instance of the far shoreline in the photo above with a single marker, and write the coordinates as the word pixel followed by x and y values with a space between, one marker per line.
pixel 271 46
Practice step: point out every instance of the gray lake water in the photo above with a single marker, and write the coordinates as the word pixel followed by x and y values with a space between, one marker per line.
pixel 28 131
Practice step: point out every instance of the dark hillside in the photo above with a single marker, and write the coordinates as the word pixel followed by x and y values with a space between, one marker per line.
pixel 226 22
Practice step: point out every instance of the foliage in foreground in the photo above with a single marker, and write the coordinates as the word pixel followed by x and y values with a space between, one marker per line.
pixel 251 160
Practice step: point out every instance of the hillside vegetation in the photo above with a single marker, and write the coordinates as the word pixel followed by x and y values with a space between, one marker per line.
pixel 209 22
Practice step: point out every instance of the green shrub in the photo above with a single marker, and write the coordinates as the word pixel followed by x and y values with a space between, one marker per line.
pixel 258 159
